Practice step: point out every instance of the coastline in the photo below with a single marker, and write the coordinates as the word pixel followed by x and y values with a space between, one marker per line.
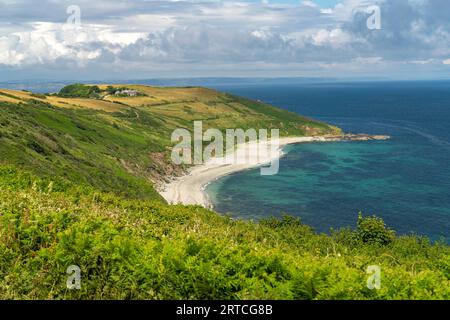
pixel 189 189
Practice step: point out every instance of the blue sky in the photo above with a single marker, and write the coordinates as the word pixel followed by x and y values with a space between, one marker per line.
pixel 322 3
pixel 131 39
pixel 326 3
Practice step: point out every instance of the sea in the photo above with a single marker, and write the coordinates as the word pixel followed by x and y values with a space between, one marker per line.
pixel 405 180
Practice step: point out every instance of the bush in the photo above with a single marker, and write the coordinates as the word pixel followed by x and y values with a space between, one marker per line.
pixel 373 230
pixel 142 249
pixel 79 90
pixel 38 95
pixel 111 89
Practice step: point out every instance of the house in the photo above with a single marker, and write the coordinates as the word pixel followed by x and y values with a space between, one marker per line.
pixel 126 92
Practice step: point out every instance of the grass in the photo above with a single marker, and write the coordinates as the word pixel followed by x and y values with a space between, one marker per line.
pixel 144 249
pixel 112 146
pixel 78 188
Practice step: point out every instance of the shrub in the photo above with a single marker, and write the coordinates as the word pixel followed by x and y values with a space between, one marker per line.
pixel 373 230
pixel 111 89
pixel 38 95
pixel 78 90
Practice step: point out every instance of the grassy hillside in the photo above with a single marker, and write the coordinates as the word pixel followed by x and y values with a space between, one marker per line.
pixel 122 144
pixel 144 249
pixel 77 188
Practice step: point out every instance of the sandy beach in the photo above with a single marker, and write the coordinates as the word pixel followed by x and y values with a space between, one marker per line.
pixel 190 189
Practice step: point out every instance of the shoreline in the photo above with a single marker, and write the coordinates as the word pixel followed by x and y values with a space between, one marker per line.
pixel 189 189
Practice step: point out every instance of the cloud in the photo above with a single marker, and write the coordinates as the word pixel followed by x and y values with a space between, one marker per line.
pixel 447 62
pixel 216 38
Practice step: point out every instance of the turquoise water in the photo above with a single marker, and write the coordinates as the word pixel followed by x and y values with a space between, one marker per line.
pixel 406 180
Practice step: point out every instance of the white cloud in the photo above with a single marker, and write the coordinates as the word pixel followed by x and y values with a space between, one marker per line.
pixel 423 62
pixel 47 42
pixel 196 35
pixel 334 37
pixel 447 62
pixel 346 9
pixel 309 4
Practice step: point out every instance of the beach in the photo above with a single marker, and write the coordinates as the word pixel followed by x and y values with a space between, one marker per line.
pixel 190 188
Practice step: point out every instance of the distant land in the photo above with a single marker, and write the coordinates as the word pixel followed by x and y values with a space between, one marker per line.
pixel 54 86
pixel 41 86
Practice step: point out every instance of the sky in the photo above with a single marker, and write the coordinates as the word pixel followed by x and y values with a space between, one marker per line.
pixel 143 39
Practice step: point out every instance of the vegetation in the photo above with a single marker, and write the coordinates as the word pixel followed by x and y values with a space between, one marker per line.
pixel 78 90
pixel 114 146
pixel 77 188
pixel 38 95
pixel 373 230
pixel 142 249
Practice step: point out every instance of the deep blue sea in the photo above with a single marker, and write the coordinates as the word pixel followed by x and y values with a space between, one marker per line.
pixel 406 180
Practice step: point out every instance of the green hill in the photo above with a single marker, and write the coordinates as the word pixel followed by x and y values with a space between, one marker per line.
pixel 77 179
pixel 121 144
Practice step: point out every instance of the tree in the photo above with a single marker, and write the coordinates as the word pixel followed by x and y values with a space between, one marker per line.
pixel 373 230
